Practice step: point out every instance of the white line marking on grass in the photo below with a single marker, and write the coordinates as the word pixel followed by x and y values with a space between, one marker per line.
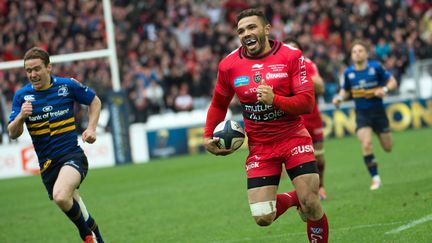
pixel 411 224
pixel 246 239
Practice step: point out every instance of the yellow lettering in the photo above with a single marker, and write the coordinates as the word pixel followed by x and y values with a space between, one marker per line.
pixel 405 114
pixel 420 113
pixel 195 139
pixel 342 122
pixel 328 124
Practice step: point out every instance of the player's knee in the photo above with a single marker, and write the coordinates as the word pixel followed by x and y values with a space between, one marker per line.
pixel 263 212
pixel 61 198
pixel 388 147
pixel 367 145
pixel 265 220
pixel 310 204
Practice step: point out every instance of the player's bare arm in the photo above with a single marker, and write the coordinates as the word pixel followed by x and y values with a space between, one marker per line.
pixel 391 85
pixel 318 84
pixel 343 95
pixel 16 127
pixel 89 135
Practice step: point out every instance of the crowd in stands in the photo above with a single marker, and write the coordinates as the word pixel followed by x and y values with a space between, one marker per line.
pixel 168 50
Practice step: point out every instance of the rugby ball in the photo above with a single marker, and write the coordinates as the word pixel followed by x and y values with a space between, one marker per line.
pixel 230 133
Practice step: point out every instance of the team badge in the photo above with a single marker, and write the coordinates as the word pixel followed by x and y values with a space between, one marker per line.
pixel 257 78
pixel 63 91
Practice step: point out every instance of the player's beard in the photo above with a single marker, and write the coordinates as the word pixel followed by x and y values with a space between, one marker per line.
pixel 259 46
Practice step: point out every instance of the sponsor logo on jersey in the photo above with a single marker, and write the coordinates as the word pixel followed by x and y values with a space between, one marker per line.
pixel 302 149
pixel 241 81
pixel 29 98
pixel 257 66
pixel 260 112
pixel 279 67
pixel 276 75
pixel 63 91
pixel 47 108
pixel 257 78
pixel 252 165
pixel 303 74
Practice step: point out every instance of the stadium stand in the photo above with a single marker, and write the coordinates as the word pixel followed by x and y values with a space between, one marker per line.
pixel 167 48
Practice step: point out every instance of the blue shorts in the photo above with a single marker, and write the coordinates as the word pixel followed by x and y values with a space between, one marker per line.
pixel 375 118
pixel 51 168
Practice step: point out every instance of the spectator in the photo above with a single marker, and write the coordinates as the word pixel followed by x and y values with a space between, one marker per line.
pixel 183 101
pixel 173 42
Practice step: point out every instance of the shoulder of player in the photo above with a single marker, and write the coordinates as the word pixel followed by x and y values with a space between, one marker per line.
pixel 373 63
pixel 25 90
pixel 228 61
pixel 349 69
pixel 290 52
pixel 64 80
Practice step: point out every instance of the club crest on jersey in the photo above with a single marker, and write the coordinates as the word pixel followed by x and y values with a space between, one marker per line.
pixel 371 71
pixel 351 75
pixel 241 81
pixel 257 78
pixel 63 91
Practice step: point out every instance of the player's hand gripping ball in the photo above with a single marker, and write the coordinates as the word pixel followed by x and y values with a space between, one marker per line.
pixel 230 133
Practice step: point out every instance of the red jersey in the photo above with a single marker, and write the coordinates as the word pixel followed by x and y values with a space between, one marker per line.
pixel 312 70
pixel 313 121
pixel 282 68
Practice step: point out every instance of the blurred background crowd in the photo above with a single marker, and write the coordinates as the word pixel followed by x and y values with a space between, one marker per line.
pixel 168 50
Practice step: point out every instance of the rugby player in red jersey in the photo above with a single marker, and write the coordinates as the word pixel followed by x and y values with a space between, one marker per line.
pixel 313 121
pixel 271 82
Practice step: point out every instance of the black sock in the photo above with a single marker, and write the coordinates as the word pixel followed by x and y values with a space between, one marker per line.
pixel 371 164
pixel 76 216
pixel 91 223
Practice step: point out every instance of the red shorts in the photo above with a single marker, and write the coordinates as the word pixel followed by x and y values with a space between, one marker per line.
pixel 314 125
pixel 267 159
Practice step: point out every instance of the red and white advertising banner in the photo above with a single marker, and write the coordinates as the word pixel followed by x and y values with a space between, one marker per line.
pixel 19 159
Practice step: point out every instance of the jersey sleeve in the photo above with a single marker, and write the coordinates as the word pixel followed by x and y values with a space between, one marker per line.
pixel 301 80
pixel 346 85
pixel 82 93
pixel 311 69
pixel 222 97
pixel 383 75
pixel 16 107
pixel 223 86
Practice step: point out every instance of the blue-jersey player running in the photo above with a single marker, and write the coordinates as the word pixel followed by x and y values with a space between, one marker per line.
pixel 367 82
pixel 46 106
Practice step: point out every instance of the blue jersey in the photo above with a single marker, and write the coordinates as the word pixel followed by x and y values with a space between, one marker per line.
pixel 363 83
pixel 52 123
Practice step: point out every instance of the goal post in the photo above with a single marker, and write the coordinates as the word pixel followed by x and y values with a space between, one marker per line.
pixel 117 99
pixel 109 52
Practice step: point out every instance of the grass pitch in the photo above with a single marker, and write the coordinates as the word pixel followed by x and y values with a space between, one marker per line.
pixel 202 198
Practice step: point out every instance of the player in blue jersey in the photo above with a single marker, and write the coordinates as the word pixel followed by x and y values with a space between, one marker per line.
pixel 367 82
pixel 46 106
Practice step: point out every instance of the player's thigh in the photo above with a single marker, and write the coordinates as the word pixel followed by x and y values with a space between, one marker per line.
pixel 67 181
pixel 306 185
pixel 262 194
pixel 319 151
